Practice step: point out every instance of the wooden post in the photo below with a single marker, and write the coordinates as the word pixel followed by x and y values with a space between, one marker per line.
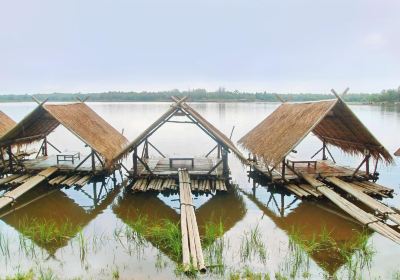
pixel 93 161
pixel 146 147
pixel 225 168
pixel 367 164
pixel 10 162
pixel 44 147
pixel 219 151
pixel 283 168
pixel 324 150
pixel 95 198
pixel 134 157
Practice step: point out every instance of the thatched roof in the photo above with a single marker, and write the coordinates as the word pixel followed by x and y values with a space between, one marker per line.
pixel 331 120
pixel 181 107
pixel 78 118
pixel 6 123
pixel 397 153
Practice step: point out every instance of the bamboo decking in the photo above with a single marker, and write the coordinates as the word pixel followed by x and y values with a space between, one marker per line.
pixel 169 184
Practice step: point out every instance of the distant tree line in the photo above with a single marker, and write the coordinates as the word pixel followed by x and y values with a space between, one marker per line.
pixel 389 96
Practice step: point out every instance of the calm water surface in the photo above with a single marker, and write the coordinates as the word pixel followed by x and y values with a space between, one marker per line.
pixel 98 247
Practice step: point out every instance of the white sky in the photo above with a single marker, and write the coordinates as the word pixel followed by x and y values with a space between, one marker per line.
pixel 282 46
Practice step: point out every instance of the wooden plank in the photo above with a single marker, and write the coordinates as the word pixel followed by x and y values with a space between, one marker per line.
pixel 12 195
pixel 296 190
pixel 351 209
pixel 19 179
pixel 9 178
pixel 310 190
pixel 366 199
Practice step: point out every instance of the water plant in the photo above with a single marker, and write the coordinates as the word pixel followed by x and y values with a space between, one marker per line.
pixel 45 231
pixel 253 245
pixel 4 245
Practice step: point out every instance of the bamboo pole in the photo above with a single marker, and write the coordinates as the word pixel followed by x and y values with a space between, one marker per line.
pixel 185 241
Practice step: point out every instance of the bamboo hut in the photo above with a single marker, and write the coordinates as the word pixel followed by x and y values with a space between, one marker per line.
pixel 104 141
pixel 273 143
pixel 158 174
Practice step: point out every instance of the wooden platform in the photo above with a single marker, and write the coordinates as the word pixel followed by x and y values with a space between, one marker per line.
pixel 162 167
pixel 324 168
pixel 168 184
pixel 44 162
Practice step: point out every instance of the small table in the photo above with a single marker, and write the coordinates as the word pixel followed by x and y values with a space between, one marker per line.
pixel 171 160
pixel 309 162
pixel 69 157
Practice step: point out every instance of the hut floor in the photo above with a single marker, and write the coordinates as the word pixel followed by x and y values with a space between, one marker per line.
pixel 161 167
pixel 45 162
pixel 170 185
pixel 324 168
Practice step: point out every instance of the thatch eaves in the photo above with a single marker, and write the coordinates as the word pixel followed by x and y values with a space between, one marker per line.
pixel 397 153
pixel 6 123
pixel 330 120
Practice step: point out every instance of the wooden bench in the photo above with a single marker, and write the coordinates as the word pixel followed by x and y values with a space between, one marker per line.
pixel 68 157
pixel 309 162
pixel 171 160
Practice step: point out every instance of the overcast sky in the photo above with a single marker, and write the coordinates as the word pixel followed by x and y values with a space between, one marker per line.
pixel 282 46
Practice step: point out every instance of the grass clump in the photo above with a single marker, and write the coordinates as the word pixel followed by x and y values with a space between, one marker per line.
pixel 248 275
pixel 252 245
pixel 165 234
pixel 44 231
pixel 356 253
pixel 22 276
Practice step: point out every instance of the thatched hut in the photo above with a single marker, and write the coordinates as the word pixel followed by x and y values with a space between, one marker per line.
pixel 397 153
pixel 332 121
pixel 104 140
pixel 6 123
pixel 143 165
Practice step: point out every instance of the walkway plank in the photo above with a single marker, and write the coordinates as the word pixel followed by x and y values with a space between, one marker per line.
pixel 366 199
pixel 12 195
pixel 363 217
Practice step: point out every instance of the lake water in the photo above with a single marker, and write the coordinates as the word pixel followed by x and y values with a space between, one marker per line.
pixel 99 243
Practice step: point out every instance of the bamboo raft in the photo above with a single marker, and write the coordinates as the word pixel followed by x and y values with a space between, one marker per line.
pixel 169 184
pixel 357 213
pixel 192 253
pixel 10 196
